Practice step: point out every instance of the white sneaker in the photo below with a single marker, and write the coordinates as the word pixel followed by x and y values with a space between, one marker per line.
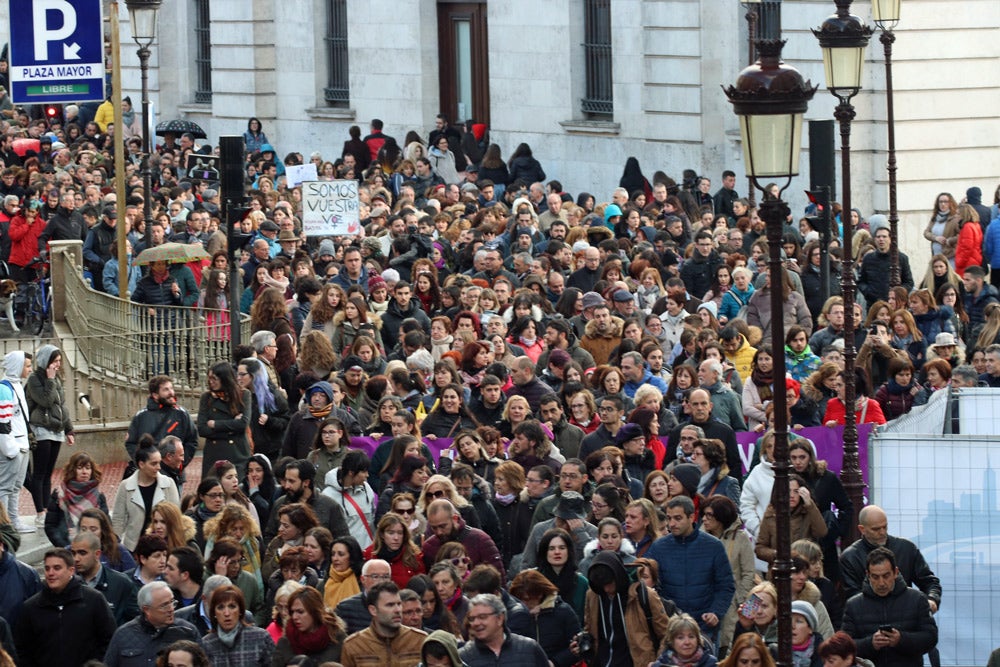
pixel 40 520
pixel 25 527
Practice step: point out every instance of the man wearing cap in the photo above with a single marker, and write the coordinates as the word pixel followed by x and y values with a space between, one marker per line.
pixel 268 231
pixel 602 334
pixel 97 246
pixel 569 513
pixel 623 303
pixel 589 301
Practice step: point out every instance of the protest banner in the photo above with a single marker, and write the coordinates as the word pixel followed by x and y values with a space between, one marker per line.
pixel 330 208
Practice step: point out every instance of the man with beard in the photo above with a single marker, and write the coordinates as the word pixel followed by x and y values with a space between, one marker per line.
pixel 602 334
pixel 162 417
pixel 298 486
pixel 386 639
pixel 559 336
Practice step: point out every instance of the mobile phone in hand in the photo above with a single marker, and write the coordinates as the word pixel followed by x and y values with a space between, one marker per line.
pixel 885 629
pixel 750 607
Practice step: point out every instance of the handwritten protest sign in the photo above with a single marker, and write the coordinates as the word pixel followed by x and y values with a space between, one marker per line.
pixel 330 208
pixel 297 174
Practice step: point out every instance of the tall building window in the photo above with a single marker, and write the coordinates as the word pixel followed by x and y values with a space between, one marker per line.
pixel 203 51
pixel 598 102
pixel 338 89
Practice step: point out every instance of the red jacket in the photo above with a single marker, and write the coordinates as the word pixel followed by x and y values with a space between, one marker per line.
pixel 401 572
pixel 969 251
pixel 24 240
pixel 835 412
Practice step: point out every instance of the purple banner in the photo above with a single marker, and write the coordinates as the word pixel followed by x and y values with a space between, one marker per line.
pixel 829 444
pixel 369 445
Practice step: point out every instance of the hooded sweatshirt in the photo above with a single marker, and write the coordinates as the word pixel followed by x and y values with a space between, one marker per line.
pixel 363 506
pixel 612 647
pixel 13 406
pixel 447 640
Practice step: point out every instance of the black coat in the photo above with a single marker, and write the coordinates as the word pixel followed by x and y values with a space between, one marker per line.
pixel 66 628
pixel 118 590
pixel 515 526
pixel 906 610
pixel 912 567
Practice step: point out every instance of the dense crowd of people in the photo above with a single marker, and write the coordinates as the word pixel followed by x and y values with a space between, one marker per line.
pixel 499 423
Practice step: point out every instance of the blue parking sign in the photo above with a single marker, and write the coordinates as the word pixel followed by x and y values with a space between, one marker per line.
pixel 56 51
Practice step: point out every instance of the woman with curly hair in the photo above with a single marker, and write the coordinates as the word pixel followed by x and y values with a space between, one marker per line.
pixel 320 317
pixel 236 523
pixel 354 321
pixel 426 289
pixel 316 354
pixel 294 521
pixel 270 313
pixel 78 492
pixel 312 630
pixel 269 407
pixel 223 417
pixel 394 544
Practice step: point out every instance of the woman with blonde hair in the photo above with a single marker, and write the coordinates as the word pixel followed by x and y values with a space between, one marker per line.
pixel 642 525
pixel 906 336
pixel 178 530
pixel 234 521
pixel 439 486
pixel 515 412
pixel 940 272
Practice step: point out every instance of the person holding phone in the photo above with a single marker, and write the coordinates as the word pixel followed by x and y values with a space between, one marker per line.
pixel 890 622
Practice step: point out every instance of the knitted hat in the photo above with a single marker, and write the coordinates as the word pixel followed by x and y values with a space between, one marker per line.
pixel 326 247
pixel 688 475
pixel 559 358
pixel 375 281
pixel 806 611
pixel 710 307
pixel 391 275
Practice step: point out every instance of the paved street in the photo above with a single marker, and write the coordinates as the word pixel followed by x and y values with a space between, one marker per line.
pixel 34 545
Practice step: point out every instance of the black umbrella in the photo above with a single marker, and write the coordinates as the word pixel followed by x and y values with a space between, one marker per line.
pixel 180 127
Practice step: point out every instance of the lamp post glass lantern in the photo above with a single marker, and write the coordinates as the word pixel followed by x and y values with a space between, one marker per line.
pixel 885 13
pixel 843 38
pixel 142 17
pixel 770 99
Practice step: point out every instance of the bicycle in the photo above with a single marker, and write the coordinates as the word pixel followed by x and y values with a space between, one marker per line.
pixel 38 297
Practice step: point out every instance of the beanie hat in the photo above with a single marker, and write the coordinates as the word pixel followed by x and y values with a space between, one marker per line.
pixel 688 475
pixel 806 611
pixel 375 281
pixel 710 307
pixel 559 358
pixel 326 247
pixel 391 275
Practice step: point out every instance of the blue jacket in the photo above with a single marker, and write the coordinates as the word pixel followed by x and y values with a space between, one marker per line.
pixel 647 378
pixel 694 573
pixel 991 243
pixel 733 300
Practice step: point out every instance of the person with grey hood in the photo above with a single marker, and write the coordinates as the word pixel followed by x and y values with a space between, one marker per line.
pixel 440 649
pixel 49 421
pixel 627 626
pixel 14 442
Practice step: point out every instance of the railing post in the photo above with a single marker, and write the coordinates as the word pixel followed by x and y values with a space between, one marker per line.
pixel 65 256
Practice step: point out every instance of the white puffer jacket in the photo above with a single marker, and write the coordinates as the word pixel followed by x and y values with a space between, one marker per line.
pixel 756 496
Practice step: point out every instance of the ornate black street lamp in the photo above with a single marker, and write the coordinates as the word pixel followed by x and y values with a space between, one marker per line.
pixel 770 99
pixel 886 15
pixel 843 38
pixel 142 18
